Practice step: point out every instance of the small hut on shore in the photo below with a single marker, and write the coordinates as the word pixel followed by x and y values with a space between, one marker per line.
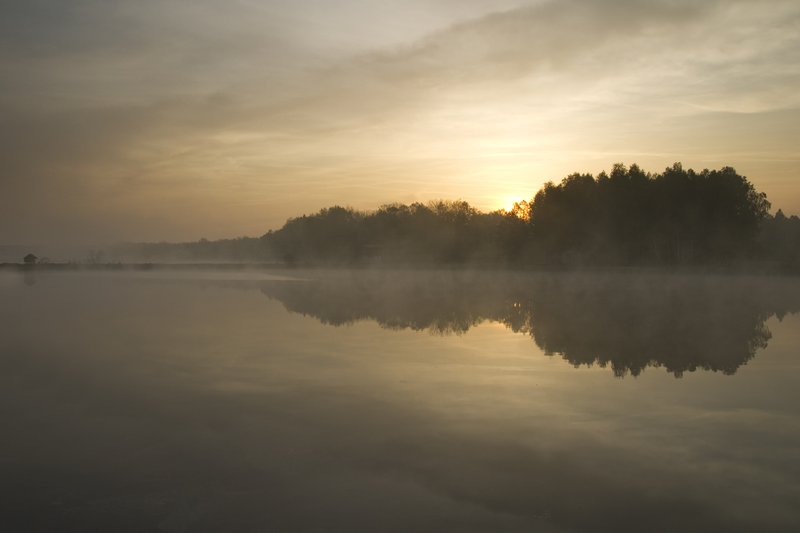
pixel 30 259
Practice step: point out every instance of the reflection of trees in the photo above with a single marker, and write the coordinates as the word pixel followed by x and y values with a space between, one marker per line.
pixel 629 328
pixel 418 303
pixel 679 323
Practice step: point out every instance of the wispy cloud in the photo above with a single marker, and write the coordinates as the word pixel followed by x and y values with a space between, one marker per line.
pixel 134 117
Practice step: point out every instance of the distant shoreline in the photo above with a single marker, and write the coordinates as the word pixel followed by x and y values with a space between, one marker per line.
pixel 759 269
pixel 21 267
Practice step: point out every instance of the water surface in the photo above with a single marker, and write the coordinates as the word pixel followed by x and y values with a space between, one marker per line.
pixel 396 401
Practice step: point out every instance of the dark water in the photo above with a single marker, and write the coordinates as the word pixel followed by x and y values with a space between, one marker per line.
pixel 361 401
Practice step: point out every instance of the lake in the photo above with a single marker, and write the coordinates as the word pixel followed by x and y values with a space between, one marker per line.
pixel 398 401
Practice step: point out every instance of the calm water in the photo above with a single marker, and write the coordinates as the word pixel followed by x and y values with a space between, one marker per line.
pixel 213 401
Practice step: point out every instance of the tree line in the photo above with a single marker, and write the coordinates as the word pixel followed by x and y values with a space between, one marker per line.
pixel 627 217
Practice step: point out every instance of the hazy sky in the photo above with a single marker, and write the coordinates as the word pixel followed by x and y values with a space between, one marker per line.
pixel 181 119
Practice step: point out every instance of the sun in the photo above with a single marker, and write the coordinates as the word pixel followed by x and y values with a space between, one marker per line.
pixel 520 202
pixel 509 201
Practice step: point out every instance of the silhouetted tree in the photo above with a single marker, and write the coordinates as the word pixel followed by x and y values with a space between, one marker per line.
pixel 779 240
pixel 630 217
pixel 441 232
pixel 626 217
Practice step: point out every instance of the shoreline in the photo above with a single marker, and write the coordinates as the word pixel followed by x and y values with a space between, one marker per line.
pixel 761 270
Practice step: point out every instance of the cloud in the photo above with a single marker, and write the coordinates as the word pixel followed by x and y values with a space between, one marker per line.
pixel 235 108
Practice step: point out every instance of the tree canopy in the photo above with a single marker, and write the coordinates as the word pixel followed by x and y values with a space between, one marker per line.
pixel 442 232
pixel 633 217
pixel 624 217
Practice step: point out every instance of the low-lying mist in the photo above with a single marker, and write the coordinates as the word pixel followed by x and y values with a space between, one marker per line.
pixel 624 321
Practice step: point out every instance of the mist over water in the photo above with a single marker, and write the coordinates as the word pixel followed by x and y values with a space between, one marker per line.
pixel 398 401
pixel 628 322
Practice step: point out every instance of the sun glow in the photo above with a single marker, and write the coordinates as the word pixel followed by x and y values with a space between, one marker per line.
pixel 509 201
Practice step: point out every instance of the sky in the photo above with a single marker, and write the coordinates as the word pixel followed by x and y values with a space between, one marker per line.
pixel 184 119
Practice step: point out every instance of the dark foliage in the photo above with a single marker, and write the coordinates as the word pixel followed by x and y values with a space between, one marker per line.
pixel 632 217
pixel 780 240
pixel 437 233
pixel 626 217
